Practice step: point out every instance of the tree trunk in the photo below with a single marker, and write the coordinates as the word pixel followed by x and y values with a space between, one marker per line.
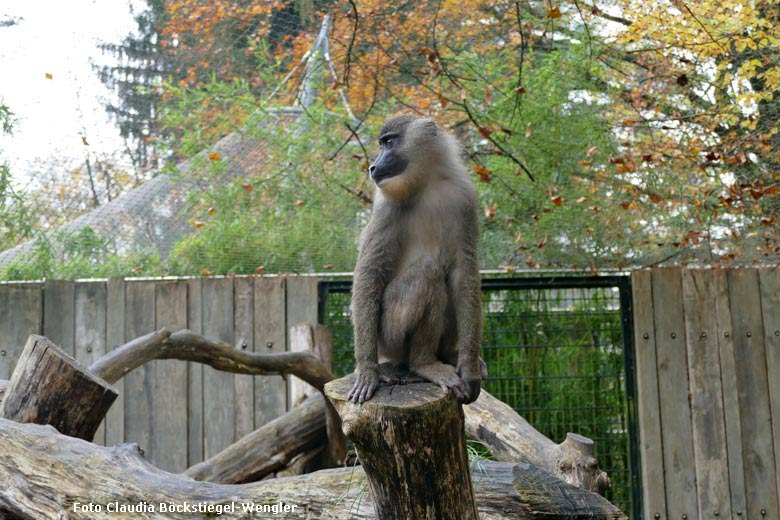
pixel 269 448
pixel 49 387
pixel 46 475
pixel 510 438
pixel 411 443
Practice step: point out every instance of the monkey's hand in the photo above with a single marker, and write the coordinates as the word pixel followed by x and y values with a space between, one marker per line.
pixel 365 385
pixel 473 380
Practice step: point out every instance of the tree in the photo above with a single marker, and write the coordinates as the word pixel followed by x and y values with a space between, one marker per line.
pixel 139 69
pixel 14 212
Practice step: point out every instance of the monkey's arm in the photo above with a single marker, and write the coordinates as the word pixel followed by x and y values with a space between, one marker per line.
pixel 468 307
pixel 378 253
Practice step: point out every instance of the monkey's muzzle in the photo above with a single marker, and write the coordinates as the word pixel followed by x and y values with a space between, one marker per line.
pixel 388 164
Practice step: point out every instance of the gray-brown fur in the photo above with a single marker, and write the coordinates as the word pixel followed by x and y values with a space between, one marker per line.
pixel 416 292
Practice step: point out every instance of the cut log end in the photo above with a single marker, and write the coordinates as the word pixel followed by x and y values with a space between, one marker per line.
pixel 50 387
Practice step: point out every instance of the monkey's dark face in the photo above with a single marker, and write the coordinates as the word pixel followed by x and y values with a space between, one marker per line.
pixel 390 162
pixel 405 148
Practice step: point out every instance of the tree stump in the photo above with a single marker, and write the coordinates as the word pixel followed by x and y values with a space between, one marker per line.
pixel 49 387
pixel 411 442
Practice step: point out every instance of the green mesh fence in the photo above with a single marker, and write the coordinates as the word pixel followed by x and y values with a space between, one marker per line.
pixel 557 352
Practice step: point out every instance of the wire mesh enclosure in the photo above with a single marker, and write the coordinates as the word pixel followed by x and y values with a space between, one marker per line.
pixel 559 351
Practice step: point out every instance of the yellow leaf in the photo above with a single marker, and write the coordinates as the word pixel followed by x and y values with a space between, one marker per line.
pixel 555 12
pixel 205 272
pixel 214 156
pixel 49 75
pixel 260 269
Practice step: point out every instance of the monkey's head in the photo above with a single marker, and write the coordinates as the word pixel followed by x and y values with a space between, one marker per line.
pixel 408 147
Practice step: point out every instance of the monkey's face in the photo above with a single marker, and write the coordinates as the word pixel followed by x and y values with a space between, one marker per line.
pixel 391 161
pixel 404 143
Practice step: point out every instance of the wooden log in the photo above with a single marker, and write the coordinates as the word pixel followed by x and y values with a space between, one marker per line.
pixel 318 339
pixel 136 352
pixel 188 346
pixel 510 438
pixel 46 476
pixel 49 387
pixel 411 443
pixel 267 449
pixel 3 387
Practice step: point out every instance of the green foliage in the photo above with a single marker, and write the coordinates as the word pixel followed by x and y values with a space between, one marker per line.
pixel 15 218
pixel 66 255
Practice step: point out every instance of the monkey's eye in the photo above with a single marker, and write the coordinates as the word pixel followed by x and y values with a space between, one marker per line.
pixel 387 141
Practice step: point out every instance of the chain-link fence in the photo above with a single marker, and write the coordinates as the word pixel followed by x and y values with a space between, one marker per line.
pixel 558 352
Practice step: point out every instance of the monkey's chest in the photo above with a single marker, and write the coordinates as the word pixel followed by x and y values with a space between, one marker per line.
pixel 425 244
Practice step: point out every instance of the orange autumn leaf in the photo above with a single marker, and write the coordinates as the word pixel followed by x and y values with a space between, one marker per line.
pixel 485 131
pixel 484 173
pixel 247 187
pixel 49 75
pixel 558 200
pixel 215 156
pixel 260 269
pixel 205 272
pixel 554 13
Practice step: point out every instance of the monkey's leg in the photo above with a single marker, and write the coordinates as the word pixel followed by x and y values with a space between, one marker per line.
pixel 425 338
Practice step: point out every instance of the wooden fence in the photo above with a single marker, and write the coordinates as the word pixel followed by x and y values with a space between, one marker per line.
pixel 708 377
pixel 177 412
pixel 707 356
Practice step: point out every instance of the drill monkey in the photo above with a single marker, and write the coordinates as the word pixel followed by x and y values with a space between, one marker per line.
pixel 416 299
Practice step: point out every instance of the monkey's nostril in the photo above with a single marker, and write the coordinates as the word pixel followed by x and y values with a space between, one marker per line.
pixel 371 168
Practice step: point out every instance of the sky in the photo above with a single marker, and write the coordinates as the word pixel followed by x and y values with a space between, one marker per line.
pixel 58 38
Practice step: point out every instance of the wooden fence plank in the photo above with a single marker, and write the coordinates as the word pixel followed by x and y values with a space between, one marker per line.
pixel 270 333
pixel 218 387
pixel 651 444
pixel 728 376
pixel 195 379
pixel 6 319
pixel 89 338
pixel 58 313
pixel 680 474
pixel 21 314
pixel 753 389
pixel 769 280
pixel 243 325
pixel 115 336
pixel 139 384
pixel 708 419
pixel 302 307
pixel 170 388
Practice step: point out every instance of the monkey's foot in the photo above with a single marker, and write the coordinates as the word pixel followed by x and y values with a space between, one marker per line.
pixel 445 376
pixel 391 373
